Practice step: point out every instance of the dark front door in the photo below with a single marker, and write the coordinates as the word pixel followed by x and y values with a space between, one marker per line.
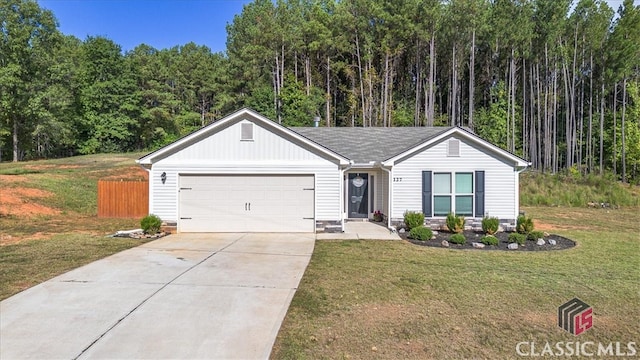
pixel 358 191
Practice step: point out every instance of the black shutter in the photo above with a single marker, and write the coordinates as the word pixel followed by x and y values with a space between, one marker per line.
pixel 426 193
pixel 479 193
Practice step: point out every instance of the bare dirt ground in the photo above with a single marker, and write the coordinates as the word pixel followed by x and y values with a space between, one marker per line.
pixel 25 214
pixel 19 201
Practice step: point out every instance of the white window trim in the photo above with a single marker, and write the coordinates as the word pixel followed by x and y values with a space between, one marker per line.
pixel 452 193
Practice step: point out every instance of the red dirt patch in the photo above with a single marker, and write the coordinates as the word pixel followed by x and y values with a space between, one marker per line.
pixel 16 201
pixel 12 178
pixel 540 226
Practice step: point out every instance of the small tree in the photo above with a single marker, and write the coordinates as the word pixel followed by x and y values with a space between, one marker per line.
pixel 490 225
pixel 455 223
pixel 524 225
pixel 413 219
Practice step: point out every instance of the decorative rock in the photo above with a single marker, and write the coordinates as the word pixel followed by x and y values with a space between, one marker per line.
pixel 546 234
pixel 445 243
pixel 478 245
pixel 552 242
pixel 540 242
pixel 512 246
pixel 402 231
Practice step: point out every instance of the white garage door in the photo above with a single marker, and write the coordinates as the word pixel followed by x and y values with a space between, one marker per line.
pixel 246 203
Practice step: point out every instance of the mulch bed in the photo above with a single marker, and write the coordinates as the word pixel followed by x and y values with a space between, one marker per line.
pixel 472 236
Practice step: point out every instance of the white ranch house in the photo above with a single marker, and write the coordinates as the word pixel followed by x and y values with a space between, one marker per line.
pixel 246 173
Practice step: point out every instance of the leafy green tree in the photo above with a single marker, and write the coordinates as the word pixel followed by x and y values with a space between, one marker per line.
pixel 27 37
pixel 109 104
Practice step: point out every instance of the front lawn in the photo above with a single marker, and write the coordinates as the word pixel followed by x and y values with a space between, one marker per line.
pixel 381 299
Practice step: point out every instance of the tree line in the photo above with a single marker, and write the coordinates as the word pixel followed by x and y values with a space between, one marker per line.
pixel 555 82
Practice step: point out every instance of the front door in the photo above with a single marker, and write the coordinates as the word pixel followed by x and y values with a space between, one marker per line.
pixel 358 204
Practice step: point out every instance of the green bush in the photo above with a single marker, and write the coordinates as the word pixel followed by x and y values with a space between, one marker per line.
pixel 490 225
pixel 150 224
pixel 517 238
pixel 535 235
pixel 457 239
pixel 455 223
pixel 524 225
pixel 413 219
pixel 489 240
pixel 421 233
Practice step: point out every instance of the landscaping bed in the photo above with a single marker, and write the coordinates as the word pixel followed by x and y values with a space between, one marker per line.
pixel 561 242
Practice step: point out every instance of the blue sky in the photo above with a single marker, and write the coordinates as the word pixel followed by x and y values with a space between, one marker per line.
pixel 159 23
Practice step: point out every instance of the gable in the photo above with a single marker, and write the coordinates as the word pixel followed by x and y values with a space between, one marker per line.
pixel 241 142
pixel 241 137
pixel 460 146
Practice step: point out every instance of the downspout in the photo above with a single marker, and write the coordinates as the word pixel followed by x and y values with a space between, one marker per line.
pixel 343 200
pixel 388 195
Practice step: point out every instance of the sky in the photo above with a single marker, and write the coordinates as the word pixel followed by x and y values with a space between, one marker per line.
pixel 161 24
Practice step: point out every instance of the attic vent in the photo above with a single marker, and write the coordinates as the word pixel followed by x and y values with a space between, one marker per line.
pixel 246 132
pixel 454 147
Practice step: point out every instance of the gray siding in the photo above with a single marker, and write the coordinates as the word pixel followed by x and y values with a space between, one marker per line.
pixel 501 181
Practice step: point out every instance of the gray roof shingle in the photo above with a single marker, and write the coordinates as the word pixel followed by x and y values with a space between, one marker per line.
pixel 366 144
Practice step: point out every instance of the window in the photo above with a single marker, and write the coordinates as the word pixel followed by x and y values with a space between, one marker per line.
pixel 246 132
pixel 441 194
pixel 460 193
pixel 464 194
pixel 453 196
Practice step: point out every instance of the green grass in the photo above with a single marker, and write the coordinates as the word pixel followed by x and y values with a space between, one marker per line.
pixel 34 247
pixel 374 299
pixel 538 189
pixel 28 263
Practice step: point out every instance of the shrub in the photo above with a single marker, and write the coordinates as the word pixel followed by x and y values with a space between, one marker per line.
pixel 489 240
pixel 457 239
pixel 535 235
pixel 421 233
pixel 524 225
pixel 490 225
pixel 455 223
pixel 413 219
pixel 150 224
pixel 517 238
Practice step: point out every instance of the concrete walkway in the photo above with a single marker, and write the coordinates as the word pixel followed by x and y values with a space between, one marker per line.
pixel 188 296
pixel 361 230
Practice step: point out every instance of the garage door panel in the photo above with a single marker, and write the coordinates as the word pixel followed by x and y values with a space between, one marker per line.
pixel 247 203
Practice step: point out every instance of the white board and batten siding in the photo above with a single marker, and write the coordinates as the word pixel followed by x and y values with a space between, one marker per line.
pixel 501 181
pixel 224 153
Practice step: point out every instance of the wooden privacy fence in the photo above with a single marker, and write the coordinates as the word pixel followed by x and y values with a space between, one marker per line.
pixel 123 199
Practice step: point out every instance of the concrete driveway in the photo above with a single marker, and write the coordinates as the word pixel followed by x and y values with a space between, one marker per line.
pixel 186 296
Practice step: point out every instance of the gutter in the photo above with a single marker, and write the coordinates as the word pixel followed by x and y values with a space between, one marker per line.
pixel 389 180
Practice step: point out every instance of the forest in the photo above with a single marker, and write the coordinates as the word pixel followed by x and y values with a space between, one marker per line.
pixel 554 81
